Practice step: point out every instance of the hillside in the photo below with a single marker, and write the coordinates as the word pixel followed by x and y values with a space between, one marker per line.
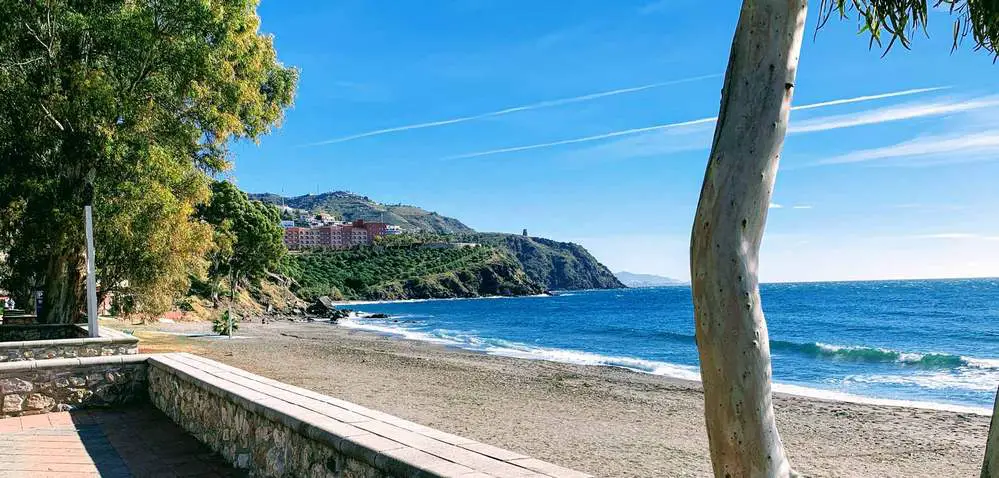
pixel 388 273
pixel 556 265
pixel 552 264
pixel 646 280
pixel 352 206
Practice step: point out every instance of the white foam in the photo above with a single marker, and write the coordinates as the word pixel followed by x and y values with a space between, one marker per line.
pixel 981 363
pixel 964 378
pixel 852 398
pixel 683 372
pixel 409 301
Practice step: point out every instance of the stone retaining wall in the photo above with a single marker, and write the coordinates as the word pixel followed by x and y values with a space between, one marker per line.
pixel 245 436
pixel 20 333
pixel 39 342
pixel 274 429
pixel 31 387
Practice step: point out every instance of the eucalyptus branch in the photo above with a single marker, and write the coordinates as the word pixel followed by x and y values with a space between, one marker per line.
pixel 51 117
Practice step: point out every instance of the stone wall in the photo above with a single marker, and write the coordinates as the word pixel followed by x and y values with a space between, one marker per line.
pixel 273 429
pixel 75 343
pixel 245 438
pixel 21 333
pixel 32 387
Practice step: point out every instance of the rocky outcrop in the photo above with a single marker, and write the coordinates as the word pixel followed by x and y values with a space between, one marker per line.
pixel 555 265
pixel 501 276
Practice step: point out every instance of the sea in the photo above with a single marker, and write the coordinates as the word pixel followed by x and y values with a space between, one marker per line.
pixel 923 343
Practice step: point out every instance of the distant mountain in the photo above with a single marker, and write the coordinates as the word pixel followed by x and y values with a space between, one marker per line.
pixel 556 265
pixel 352 206
pixel 548 264
pixel 646 280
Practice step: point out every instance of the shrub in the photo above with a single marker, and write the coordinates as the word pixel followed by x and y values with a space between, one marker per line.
pixel 221 323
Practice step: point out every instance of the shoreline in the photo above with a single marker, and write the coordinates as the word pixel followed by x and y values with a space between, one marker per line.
pixel 338 303
pixel 679 372
pixel 606 421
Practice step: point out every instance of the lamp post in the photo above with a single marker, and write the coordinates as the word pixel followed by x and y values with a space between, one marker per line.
pixel 88 198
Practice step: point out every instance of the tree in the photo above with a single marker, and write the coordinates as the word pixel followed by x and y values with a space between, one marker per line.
pixel 731 330
pixel 248 239
pixel 142 96
pixel 990 468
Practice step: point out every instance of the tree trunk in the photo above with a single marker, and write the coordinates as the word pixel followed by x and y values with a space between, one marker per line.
pixel 64 297
pixel 731 331
pixel 990 468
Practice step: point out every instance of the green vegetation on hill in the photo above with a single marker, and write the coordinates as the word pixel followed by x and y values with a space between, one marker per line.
pixel 556 265
pixel 351 207
pixel 410 272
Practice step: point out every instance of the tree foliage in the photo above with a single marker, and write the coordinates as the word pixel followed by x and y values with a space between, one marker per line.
pixel 142 98
pixel 248 240
pixel 900 20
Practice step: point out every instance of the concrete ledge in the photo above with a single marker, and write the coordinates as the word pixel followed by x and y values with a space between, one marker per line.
pixel 282 429
pixel 110 342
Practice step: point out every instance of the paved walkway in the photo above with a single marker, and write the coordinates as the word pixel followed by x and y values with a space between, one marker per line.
pixel 127 442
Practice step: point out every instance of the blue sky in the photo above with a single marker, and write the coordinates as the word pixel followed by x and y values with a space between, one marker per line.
pixel 590 121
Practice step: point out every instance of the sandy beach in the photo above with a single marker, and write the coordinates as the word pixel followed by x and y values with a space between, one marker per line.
pixel 605 421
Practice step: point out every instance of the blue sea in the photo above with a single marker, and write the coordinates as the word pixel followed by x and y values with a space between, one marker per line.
pixel 929 343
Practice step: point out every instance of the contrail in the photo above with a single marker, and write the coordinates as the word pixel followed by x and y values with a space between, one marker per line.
pixel 869 98
pixel 626 132
pixel 584 139
pixel 506 111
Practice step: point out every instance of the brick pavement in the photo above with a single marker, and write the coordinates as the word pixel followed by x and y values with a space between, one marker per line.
pixel 134 441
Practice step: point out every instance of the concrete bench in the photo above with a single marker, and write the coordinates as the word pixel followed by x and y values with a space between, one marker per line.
pixel 275 429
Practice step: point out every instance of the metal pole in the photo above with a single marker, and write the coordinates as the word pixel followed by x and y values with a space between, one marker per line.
pixel 91 276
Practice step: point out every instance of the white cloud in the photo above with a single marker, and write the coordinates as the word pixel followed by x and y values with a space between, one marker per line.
pixel 681 124
pixel 960 147
pixel 802 206
pixel 891 113
pixel 506 111
pixel 774 205
pixel 954 235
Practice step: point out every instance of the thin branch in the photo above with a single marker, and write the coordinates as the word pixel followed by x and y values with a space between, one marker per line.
pixel 51 117
pixel 36 37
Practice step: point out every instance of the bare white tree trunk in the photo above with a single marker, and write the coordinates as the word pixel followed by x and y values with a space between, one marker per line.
pixel 990 468
pixel 725 242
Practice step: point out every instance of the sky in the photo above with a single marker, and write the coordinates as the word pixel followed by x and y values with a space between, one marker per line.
pixel 590 121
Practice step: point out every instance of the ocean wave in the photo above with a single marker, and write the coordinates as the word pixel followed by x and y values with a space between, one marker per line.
pixel 819 350
pixel 975 380
pixel 856 353
pixel 495 346
pixel 507 348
